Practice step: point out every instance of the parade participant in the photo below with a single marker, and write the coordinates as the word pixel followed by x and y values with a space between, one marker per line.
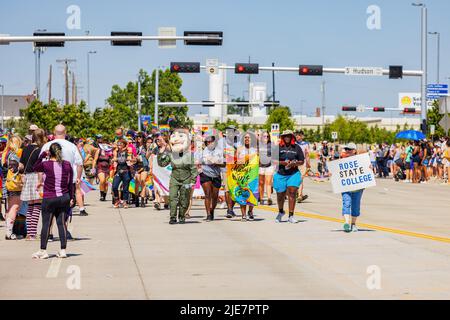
pixel 10 160
pixel 142 169
pixel 246 149
pixel 122 160
pixel 210 178
pixel 266 167
pixel 30 192
pixel 409 163
pixel 288 178
pixel 230 145
pixel 446 158
pixel 162 146
pixel 416 162
pixel 57 197
pixel 351 201
pixel 69 153
pixel 3 171
pixel 300 136
pixel 184 173
pixel 102 164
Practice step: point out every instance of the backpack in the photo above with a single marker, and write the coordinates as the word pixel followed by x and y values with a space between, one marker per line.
pixel 14 181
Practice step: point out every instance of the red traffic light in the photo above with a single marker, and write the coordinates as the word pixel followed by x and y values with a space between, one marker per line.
pixel 306 70
pixel 349 109
pixel 185 67
pixel 246 68
pixel 409 110
pixel 379 109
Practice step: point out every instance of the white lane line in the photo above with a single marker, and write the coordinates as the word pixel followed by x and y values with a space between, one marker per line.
pixel 53 269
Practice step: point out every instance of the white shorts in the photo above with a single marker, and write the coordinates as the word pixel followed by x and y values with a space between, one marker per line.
pixel 269 171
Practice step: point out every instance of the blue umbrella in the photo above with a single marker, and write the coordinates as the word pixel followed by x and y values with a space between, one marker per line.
pixel 410 135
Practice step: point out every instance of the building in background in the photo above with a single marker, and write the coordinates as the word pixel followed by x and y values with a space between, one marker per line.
pixel 14 104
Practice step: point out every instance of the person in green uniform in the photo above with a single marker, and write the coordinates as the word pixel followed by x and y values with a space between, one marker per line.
pixel 184 174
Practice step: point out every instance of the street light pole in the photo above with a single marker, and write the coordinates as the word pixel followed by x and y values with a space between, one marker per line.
pixel 89 79
pixel 438 34
pixel 156 95
pixel 301 112
pixel 424 65
pixel 140 79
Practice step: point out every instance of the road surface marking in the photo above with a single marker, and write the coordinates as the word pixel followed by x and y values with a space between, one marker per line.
pixel 53 269
pixel 369 226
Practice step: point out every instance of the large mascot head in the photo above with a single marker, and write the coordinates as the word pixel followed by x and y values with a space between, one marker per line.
pixel 180 140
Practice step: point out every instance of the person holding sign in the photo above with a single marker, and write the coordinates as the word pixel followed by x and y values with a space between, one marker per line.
pixel 288 178
pixel 351 200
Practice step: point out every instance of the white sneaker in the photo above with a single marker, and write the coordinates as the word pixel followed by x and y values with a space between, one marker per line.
pixel 41 254
pixel 355 228
pixel 222 205
pixel 62 254
pixel 279 217
pixel 292 220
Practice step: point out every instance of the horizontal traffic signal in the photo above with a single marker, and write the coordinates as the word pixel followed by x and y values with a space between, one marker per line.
pixel 210 42
pixel 185 67
pixel 310 70
pixel 136 43
pixel 246 68
pixel 349 109
pixel 379 109
pixel 49 43
pixel 409 110
pixel 395 72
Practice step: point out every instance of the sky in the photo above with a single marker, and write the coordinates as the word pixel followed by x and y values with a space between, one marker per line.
pixel 287 32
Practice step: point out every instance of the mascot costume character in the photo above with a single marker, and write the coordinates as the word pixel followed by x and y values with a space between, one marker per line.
pixel 184 173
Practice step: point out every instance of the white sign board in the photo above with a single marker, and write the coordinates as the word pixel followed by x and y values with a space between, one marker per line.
pixel 258 95
pixel 334 135
pixel 409 100
pixel 167 32
pixel 351 174
pixel 212 66
pixel 364 71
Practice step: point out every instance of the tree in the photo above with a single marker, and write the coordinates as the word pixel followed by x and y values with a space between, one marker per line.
pixel 222 126
pixel 44 116
pixel 433 118
pixel 282 116
pixel 125 100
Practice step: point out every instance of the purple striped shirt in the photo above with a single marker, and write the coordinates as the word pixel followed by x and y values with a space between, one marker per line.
pixel 58 177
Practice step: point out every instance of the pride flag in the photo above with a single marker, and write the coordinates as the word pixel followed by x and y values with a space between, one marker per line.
pixel 86 187
pixel 132 187
pixel 242 180
pixel 164 127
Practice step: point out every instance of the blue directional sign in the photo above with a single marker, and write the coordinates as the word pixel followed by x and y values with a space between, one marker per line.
pixel 436 91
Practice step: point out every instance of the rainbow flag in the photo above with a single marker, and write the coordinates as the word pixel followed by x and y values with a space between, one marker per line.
pixel 86 187
pixel 242 180
pixel 149 183
pixel 132 187
pixel 164 127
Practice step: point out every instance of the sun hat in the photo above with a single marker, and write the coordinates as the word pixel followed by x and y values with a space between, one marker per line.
pixel 350 146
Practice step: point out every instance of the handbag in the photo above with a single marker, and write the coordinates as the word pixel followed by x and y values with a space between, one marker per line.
pixel 14 181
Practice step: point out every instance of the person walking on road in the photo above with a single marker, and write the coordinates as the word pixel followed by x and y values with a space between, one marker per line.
pixel 58 197
pixel 288 178
pixel 123 160
pixel 300 136
pixel 351 201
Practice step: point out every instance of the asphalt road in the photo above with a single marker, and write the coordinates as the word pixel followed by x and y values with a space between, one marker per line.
pixel 402 252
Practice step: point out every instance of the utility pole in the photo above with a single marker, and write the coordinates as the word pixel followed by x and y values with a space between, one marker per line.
pixel 88 79
pixel 50 85
pixel 438 34
pixel 66 77
pixel 74 89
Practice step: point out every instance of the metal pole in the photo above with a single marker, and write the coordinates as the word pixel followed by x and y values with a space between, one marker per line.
pixel 323 103
pixel 438 57
pixel 39 73
pixel 424 68
pixel 156 95
pixel 273 86
pixel 88 84
pixel 139 103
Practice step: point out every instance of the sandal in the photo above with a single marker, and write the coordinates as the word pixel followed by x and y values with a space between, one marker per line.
pixel 12 236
